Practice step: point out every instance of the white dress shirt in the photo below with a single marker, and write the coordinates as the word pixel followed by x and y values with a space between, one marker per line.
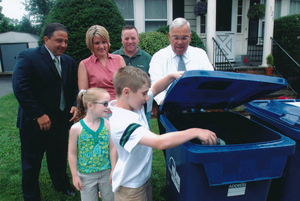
pixel 165 61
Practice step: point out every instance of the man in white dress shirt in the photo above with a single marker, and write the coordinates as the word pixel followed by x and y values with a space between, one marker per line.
pixel 167 60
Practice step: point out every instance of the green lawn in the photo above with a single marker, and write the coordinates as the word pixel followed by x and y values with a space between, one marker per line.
pixel 10 161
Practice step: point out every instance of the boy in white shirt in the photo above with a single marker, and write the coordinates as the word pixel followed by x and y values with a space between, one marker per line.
pixel 132 137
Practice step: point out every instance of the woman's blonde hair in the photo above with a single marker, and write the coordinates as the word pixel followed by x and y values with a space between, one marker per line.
pixel 100 32
pixel 86 96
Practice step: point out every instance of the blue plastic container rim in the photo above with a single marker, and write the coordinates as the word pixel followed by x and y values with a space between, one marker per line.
pixel 199 89
pixel 279 113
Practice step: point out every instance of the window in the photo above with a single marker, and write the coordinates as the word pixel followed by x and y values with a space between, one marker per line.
pixel 202 23
pixel 295 7
pixel 239 16
pixel 277 9
pixel 224 11
pixel 126 9
pixel 156 14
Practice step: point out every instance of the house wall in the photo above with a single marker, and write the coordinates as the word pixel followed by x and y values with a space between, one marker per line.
pixel 33 44
pixel 189 13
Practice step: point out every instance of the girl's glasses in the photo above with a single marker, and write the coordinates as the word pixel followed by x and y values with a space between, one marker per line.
pixel 104 103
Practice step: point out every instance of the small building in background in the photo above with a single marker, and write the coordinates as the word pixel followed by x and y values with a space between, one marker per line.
pixel 11 44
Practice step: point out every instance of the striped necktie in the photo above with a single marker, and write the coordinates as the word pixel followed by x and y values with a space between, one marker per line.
pixel 62 104
pixel 181 64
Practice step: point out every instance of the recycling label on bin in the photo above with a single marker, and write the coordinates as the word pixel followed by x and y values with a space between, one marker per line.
pixel 236 189
pixel 174 175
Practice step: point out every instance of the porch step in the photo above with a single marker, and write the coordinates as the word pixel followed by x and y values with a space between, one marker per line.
pixel 251 70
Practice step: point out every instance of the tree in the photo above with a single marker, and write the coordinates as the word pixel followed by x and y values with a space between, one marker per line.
pixel 7 25
pixel 1 14
pixel 79 15
pixel 38 9
pixel 26 27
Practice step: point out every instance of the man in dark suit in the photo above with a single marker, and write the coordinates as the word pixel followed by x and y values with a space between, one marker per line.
pixel 46 91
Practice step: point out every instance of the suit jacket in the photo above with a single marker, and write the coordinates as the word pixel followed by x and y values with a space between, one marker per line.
pixel 37 85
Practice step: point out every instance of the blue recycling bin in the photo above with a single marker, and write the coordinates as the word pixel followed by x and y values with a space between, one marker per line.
pixel 284 117
pixel 253 155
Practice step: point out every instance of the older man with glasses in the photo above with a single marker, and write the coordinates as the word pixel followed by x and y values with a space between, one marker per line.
pixel 178 56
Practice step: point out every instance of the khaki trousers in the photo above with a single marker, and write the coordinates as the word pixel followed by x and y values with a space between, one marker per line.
pixel 93 183
pixel 143 193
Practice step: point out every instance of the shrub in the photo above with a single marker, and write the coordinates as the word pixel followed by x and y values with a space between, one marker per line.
pixel 153 41
pixel 286 34
pixel 270 60
pixel 79 15
pixel 195 42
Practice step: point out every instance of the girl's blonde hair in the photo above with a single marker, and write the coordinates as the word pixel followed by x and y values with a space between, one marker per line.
pixel 85 96
pixel 100 32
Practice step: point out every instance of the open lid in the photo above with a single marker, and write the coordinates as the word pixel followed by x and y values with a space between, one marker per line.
pixel 198 89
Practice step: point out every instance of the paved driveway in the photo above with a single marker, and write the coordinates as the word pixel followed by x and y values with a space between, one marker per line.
pixel 5 85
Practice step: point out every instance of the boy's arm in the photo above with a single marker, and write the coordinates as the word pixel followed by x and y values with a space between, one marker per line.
pixel 112 154
pixel 72 155
pixel 173 139
pixel 163 83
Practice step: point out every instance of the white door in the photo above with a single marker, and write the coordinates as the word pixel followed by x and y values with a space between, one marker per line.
pixel 226 41
pixel 226 27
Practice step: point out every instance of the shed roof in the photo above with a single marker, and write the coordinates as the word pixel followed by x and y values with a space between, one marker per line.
pixel 17 37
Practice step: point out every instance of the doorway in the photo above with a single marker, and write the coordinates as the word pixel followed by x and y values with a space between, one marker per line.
pixel 225 27
pixel 255 38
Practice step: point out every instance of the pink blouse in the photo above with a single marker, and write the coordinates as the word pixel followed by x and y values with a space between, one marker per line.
pixel 100 76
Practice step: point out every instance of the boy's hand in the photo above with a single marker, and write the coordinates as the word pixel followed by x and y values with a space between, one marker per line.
pixel 77 183
pixel 207 136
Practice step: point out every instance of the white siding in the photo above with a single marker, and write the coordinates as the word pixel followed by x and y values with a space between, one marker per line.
pixel 189 13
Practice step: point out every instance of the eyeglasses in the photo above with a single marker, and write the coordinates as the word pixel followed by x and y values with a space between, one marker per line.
pixel 183 39
pixel 105 104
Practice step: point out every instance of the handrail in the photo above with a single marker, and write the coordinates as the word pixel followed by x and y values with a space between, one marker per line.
pixel 288 85
pixel 295 62
pixel 285 52
pixel 223 54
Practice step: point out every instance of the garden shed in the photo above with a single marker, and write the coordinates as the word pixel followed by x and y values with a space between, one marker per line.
pixel 11 44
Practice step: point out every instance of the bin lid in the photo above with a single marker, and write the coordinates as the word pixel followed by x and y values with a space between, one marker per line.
pixel 287 111
pixel 199 89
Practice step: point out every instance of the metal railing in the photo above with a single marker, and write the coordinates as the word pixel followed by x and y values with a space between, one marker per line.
pixel 221 62
pixel 287 67
pixel 255 48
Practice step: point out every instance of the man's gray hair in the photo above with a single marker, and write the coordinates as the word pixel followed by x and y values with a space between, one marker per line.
pixel 178 22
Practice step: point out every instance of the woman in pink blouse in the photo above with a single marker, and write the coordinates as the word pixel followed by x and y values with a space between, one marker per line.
pixel 98 69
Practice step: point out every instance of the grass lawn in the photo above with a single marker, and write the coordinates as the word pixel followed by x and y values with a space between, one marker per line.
pixel 10 161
